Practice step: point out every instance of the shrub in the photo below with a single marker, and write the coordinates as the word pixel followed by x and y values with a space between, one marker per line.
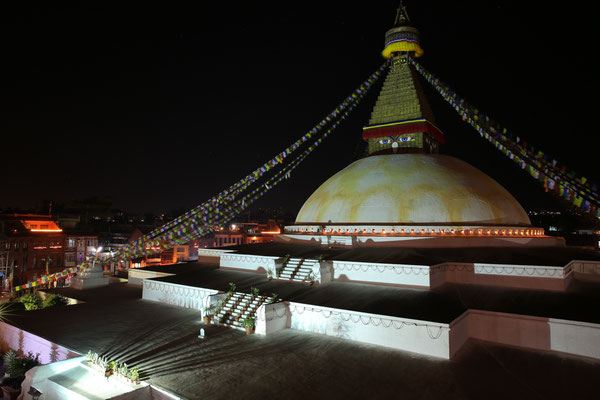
pixel 31 301
pixel 17 366
pixel 55 300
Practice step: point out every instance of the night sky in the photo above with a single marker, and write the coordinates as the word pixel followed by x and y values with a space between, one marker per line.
pixel 162 105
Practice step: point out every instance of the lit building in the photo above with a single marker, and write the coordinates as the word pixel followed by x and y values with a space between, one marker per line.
pixel 33 245
pixel 246 233
pixel 79 248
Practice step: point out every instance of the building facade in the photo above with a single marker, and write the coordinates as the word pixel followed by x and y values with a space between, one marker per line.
pixel 34 245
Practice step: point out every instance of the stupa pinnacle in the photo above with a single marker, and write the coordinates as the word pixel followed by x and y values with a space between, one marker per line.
pixel 402 121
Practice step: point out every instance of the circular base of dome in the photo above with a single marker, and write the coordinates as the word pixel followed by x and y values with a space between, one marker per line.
pixel 369 235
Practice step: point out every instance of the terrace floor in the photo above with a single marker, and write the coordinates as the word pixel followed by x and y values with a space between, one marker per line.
pixel 162 341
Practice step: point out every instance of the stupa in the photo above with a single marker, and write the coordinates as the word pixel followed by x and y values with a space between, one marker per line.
pixel 404 193
pixel 403 217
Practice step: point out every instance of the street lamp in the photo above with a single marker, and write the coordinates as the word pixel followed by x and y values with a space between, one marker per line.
pixel 98 250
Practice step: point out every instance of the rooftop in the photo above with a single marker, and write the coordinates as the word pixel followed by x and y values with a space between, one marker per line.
pixel 162 340
pixel 549 256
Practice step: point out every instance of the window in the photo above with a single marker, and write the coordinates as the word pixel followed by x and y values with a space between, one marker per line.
pixel 71 242
pixel 25 245
pixel 16 245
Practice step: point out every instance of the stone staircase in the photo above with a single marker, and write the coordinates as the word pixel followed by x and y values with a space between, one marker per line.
pixel 237 307
pixel 296 270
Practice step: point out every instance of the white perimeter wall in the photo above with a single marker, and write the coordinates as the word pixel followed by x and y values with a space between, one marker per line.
pixel 136 276
pixel 422 337
pixel 573 337
pixel 248 262
pixel 176 295
pixel 392 274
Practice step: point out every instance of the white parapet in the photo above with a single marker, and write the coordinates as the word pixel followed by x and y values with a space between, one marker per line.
pixel 248 262
pixel 392 274
pixel 271 318
pixel 135 276
pixel 423 337
pixel 176 294
pixel 575 337
pixel 526 271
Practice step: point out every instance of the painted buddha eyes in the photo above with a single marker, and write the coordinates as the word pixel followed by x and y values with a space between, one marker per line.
pixel 402 139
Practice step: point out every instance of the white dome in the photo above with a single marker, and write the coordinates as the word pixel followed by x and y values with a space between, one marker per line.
pixel 412 188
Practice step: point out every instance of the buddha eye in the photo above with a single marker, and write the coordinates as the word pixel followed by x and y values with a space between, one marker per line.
pixel 385 141
pixel 406 139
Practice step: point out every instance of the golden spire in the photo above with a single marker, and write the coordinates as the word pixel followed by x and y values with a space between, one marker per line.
pixel 401 16
pixel 402 121
pixel 402 38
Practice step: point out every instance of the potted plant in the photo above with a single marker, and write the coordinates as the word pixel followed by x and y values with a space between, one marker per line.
pixel 90 357
pixel 248 324
pixel 232 287
pixel 110 368
pixel 310 278
pixel 122 371
pixel 209 312
pixel 255 292
pixel 134 375
pixel 269 274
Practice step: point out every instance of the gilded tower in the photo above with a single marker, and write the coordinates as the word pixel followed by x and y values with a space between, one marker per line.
pixel 402 121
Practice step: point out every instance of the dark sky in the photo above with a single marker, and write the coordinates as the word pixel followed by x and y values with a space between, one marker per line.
pixel 161 105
